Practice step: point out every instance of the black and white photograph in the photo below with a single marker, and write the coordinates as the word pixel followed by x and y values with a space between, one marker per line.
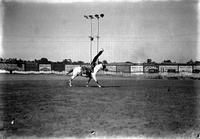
pixel 92 69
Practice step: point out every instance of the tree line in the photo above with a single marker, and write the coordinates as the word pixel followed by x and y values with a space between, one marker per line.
pixel 69 61
pixel 41 61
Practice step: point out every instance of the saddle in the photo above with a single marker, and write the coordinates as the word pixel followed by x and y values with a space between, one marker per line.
pixel 86 71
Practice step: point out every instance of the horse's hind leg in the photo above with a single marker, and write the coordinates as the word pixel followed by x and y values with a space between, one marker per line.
pixel 70 80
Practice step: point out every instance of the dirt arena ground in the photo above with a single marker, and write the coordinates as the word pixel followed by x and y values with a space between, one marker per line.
pixel 41 106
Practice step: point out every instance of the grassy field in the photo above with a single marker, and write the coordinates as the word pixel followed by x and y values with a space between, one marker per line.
pixel 41 106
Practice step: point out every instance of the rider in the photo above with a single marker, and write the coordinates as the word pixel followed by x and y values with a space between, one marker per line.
pixel 88 70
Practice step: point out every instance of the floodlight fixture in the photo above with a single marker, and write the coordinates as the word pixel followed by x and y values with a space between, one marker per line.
pixel 102 15
pixel 97 16
pixel 91 17
pixel 86 16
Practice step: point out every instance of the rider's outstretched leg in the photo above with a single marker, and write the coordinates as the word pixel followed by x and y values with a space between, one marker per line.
pixel 94 61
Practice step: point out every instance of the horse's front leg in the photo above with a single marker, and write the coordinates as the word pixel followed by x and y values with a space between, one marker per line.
pixel 88 81
pixel 95 79
pixel 98 84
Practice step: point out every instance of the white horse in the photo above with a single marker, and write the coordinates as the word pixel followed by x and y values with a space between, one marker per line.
pixel 86 72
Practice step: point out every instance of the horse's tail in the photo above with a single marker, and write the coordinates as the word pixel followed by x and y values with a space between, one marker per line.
pixel 70 71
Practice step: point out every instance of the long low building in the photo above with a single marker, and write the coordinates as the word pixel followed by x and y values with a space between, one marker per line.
pixel 167 68
pixel 31 67
pixel 69 67
pixel 111 68
pixel 185 68
pixel 196 68
pixel 8 66
pixel 118 68
pixel 137 69
pixel 123 68
pixel 151 68
pixel 57 67
pixel 44 67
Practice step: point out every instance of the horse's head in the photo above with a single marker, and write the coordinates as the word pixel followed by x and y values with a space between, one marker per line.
pixel 103 67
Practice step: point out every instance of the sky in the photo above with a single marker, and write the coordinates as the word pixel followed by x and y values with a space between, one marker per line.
pixel 130 30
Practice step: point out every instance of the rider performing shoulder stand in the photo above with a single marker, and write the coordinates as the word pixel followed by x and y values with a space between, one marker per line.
pixel 94 62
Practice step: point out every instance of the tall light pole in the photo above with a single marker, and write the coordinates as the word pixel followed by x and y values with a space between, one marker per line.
pixel 91 35
pixel 97 17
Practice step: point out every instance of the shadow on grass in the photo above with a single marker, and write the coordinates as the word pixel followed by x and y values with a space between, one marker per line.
pixel 113 86
pixel 94 86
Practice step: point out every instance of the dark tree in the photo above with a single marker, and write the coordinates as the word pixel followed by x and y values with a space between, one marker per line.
pixel 167 61
pixel 44 61
pixel 19 63
pixel 128 62
pixel 190 62
pixel 149 60
pixel 105 62
pixel 67 61
pixel 80 62
pixel 197 62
